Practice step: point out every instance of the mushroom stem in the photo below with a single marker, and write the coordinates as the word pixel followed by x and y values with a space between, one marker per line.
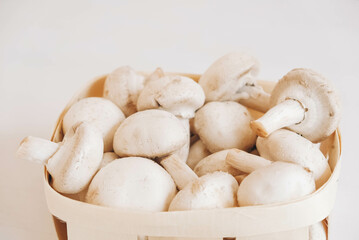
pixel 244 161
pixel 36 149
pixel 181 173
pixel 257 99
pixel 287 113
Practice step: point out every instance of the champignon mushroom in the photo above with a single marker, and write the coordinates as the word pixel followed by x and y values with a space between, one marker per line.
pixel 123 86
pixel 176 94
pixel 287 146
pixel 100 112
pixel 197 152
pixel 151 134
pixel 213 190
pixel 71 163
pixel 224 125
pixel 179 95
pixel 303 101
pixel 133 183
pixel 215 162
pixel 277 182
pixel 233 78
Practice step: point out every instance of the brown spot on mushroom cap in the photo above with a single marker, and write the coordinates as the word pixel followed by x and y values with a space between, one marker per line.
pixel 317 96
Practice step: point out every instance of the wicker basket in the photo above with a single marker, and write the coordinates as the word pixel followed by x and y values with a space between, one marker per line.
pixel 78 220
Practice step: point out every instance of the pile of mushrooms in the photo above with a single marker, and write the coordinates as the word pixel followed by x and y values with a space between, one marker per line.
pixel 183 145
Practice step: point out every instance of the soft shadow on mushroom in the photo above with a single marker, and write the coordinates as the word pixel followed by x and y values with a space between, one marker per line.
pixel 197 152
pixel 107 158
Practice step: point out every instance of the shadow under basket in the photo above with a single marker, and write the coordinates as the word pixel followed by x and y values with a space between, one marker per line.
pixel 290 220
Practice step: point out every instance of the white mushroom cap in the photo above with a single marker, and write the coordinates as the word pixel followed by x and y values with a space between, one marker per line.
pixel 287 146
pixel 228 74
pixel 224 125
pixel 305 102
pixel 278 182
pixel 197 152
pixel 132 183
pixel 75 160
pixel 100 112
pixel 179 95
pixel 214 190
pixel 151 133
pixel 122 87
pixel 233 78
pixel 317 232
pixel 107 158
pixel 215 162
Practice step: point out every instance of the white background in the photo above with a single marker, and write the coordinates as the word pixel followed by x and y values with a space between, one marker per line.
pixel 51 49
